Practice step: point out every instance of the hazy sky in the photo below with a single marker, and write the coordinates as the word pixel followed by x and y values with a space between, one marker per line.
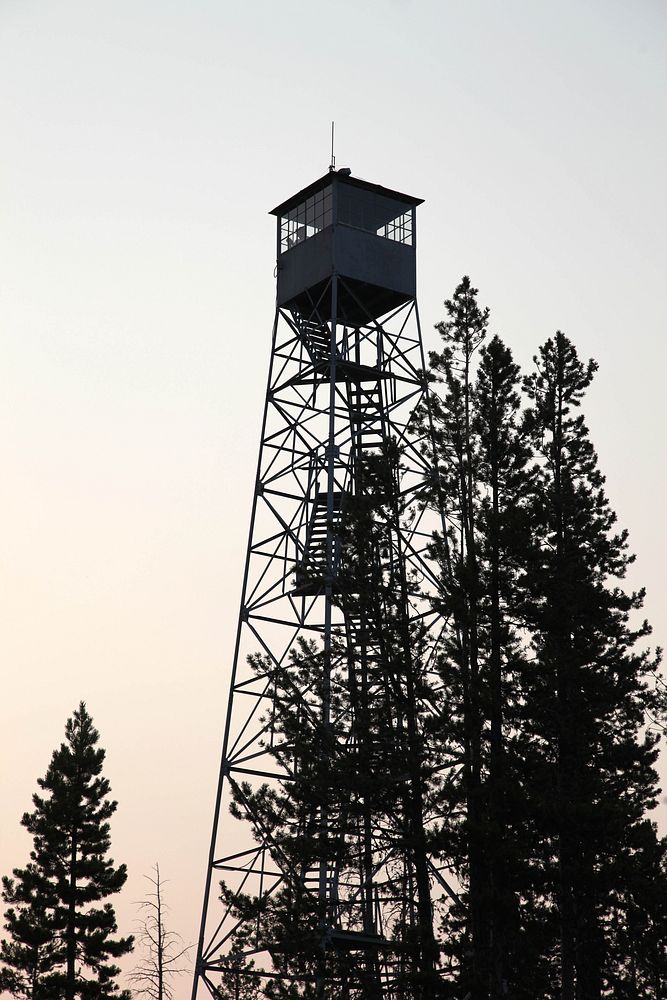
pixel 143 144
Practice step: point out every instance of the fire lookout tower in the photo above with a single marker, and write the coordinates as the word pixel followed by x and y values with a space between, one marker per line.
pixel 319 879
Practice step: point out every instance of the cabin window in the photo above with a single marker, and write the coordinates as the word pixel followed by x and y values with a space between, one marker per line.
pixel 305 220
pixel 375 213
pixel 398 229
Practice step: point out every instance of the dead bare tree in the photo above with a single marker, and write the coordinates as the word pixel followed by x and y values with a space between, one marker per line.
pixel 164 953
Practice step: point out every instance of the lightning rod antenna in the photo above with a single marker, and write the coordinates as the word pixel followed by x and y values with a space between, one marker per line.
pixel 332 165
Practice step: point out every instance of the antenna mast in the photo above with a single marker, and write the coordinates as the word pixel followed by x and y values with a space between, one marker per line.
pixel 332 165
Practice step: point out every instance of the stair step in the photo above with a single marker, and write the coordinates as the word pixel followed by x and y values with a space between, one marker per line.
pixel 316 337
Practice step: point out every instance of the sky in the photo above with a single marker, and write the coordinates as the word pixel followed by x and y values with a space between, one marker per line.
pixel 143 144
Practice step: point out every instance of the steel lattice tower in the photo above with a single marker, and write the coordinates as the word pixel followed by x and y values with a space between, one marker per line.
pixel 346 375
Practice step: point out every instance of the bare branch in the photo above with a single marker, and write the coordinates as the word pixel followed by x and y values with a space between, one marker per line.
pixel 165 954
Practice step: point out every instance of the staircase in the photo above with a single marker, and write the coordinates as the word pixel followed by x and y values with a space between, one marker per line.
pixel 366 416
pixel 311 571
pixel 317 339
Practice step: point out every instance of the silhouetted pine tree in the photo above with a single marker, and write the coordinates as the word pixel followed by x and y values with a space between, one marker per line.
pixel 55 929
pixel 458 551
pixel 485 479
pixel 587 702
pixel 504 483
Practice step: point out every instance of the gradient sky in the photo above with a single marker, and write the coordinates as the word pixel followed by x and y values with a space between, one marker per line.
pixel 143 144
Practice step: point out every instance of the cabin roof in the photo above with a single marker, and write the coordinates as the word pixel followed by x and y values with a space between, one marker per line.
pixel 336 175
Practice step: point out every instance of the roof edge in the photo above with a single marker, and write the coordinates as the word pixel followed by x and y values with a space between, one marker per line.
pixel 334 175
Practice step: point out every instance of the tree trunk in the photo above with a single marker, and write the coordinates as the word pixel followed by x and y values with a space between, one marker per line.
pixel 473 728
pixel 588 955
pixel 565 708
pixel 498 860
pixel 160 936
pixel 33 977
pixel 565 845
pixel 428 951
pixel 70 930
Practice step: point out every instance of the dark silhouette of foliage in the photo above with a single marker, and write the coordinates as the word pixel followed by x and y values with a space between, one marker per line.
pixel 547 690
pixel 483 460
pixel 30 954
pixel 588 693
pixel 56 930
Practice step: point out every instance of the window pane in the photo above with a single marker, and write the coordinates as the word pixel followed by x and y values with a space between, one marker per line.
pixel 305 220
